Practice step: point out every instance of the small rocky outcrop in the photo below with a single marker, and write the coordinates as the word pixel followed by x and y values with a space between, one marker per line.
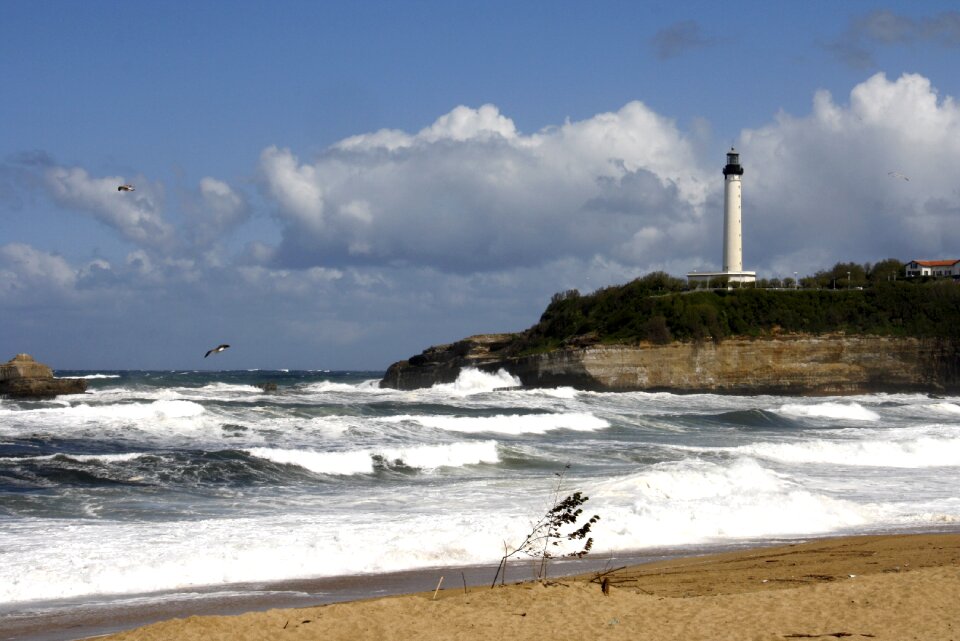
pixel 23 377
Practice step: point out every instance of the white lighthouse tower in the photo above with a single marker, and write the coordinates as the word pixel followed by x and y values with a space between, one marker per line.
pixel 732 229
pixel 732 222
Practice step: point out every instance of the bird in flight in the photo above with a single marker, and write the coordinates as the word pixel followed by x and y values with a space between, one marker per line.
pixel 127 187
pixel 216 350
pixel 897 174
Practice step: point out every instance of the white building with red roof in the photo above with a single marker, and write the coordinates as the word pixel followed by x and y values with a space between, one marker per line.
pixel 935 268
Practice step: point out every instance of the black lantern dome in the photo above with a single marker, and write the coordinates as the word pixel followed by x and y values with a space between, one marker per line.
pixel 733 164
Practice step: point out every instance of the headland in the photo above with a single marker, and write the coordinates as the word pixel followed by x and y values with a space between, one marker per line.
pixel 650 336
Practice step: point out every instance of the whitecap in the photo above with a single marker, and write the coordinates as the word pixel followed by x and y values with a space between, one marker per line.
pixel 509 423
pixel 431 457
pixel 424 457
pixel 842 411
pixel 912 453
pixel 84 458
pixel 334 463
pixel 162 409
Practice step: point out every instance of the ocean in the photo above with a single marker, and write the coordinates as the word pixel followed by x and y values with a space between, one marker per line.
pixel 190 482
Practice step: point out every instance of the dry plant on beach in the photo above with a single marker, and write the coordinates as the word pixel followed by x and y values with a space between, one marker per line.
pixel 545 534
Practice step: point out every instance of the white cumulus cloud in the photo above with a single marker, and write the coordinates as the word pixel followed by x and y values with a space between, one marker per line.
pixel 470 192
pixel 819 188
pixel 297 188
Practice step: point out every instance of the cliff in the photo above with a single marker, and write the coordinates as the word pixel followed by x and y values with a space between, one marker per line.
pixel 795 364
pixel 23 377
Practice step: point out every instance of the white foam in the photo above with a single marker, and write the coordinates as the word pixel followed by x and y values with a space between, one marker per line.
pixel 111 412
pixel 366 387
pixel 425 457
pixel 335 463
pixel 842 411
pixel 697 501
pixel 940 518
pixel 913 453
pixel 566 393
pixel 431 457
pixel 96 376
pixel 163 409
pixel 509 423
pixel 58 560
pixel 83 458
pixel 227 388
pixel 946 408
pixel 169 421
pixel 473 381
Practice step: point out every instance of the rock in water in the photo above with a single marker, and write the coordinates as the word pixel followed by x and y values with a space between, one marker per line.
pixel 23 377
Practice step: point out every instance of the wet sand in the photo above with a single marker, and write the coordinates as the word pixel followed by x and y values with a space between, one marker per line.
pixel 894 587
pixel 66 621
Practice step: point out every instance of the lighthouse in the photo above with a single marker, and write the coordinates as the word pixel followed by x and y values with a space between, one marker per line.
pixel 732 223
pixel 732 231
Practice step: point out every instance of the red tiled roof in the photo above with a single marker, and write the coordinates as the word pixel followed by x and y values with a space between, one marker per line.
pixel 937 263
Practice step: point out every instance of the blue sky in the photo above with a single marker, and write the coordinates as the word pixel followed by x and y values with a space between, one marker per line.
pixel 340 185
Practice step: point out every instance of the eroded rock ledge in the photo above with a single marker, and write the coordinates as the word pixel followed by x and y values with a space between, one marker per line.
pixel 23 377
pixel 793 364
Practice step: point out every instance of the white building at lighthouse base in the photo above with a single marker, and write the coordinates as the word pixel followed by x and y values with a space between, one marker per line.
pixel 729 279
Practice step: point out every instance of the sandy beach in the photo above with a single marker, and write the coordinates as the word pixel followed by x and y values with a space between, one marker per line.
pixel 894 587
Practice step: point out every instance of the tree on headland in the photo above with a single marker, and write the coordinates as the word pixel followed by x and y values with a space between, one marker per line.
pixel 888 270
pixel 842 276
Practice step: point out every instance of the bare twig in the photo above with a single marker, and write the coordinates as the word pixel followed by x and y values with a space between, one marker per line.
pixel 546 532
pixel 601 575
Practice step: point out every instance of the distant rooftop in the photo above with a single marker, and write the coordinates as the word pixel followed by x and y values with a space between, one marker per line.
pixel 937 263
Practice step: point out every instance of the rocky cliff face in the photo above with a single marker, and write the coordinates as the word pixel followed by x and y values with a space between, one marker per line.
pixel 783 365
pixel 23 377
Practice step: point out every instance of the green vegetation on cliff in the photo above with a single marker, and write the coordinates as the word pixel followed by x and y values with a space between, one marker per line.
pixel 657 308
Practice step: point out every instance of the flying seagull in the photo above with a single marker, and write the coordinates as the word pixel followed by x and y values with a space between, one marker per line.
pixel 127 187
pixel 897 174
pixel 216 350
